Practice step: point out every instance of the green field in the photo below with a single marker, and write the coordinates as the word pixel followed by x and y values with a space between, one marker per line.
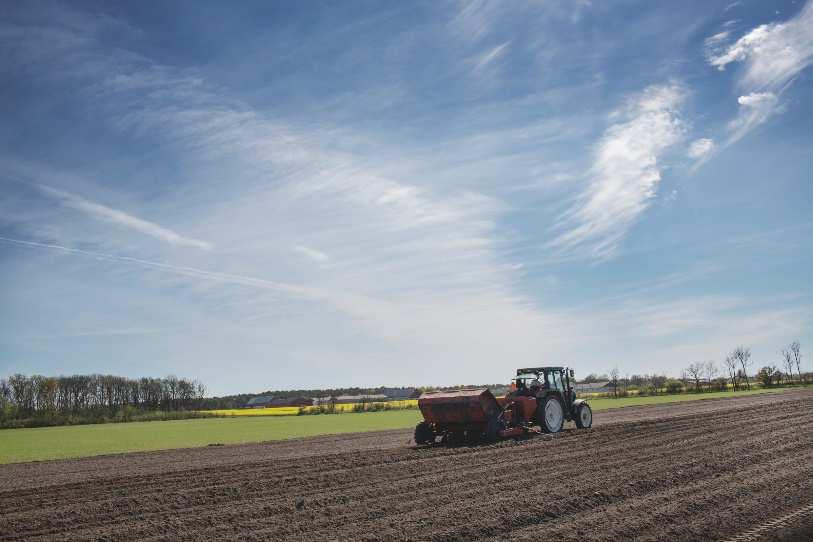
pixel 18 445
pixel 85 440
pixel 602 403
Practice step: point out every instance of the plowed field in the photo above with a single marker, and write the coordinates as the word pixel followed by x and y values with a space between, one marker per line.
pixel 702 470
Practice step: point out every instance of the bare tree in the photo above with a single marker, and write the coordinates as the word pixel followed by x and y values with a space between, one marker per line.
pixel 22 392
pixel 5 393
pixel 614 380
pixel 796 350
pixel 695 370
pixel 787 361
pixel 731 366
pixel 658 382
pixel 743 357
pixel 711 372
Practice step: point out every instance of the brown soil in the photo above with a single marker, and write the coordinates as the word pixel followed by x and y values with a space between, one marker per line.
pixel 703 470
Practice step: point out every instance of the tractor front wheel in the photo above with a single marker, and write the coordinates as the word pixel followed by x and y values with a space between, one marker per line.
pixel 424 434
pixel 584 416
pixel 551 415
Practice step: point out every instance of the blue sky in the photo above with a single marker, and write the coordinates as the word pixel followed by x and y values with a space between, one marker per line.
pixel 274 195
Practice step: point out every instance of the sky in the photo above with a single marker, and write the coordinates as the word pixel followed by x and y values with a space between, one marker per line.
pixel 271 195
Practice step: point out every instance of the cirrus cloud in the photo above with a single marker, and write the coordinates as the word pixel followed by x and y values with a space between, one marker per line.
pixel 624 175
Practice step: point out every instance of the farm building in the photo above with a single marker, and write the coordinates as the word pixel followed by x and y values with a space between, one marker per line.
pixel 364 398
pixel 400 393
pixel 593 387
pixel 261 401
pixel 292 401
pixel 266 401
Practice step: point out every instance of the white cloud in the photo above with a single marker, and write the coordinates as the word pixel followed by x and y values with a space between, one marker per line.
pixel 624 175
pixel 291 289
pixel 755 108
pixel 700 148
pixel 773 55
pixel 716 45
pixel 732 5
pixel 315 255
pixel 474 19
pixel 487 58
pixel 757 100
pixel 120 218
pixel 716 38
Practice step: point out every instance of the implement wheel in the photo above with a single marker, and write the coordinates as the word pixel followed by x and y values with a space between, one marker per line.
pixel 551 415
pixel 493 429
pixel 584 416
pixel 424 434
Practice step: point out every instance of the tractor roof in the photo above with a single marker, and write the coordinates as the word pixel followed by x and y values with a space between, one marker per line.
pixel 538 370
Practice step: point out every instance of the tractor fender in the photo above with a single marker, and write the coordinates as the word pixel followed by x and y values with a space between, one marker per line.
pixel 576 404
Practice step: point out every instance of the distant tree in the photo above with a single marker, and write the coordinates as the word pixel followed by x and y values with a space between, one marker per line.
pixel 767 375
pixel 659 382
pixel 731 366
pixel 22 392
pixel 695 370
pixel 200 390
pixel 5 393
pixel 614 380
pixel 593 377
pixel 787 362
pixel 796 351
pixel 674 386
pixel 711 372
pixel 721 383
pixel 743 357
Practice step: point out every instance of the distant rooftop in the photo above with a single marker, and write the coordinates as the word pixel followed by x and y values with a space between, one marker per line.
pixel 260 400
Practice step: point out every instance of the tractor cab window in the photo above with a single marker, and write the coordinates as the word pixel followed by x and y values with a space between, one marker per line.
pixel 555 382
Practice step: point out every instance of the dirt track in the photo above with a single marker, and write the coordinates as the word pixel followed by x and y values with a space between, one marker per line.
pixel 702 470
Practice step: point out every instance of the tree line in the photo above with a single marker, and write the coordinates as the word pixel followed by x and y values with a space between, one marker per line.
pixel 240 400
pixel 27 401
pixel 709 376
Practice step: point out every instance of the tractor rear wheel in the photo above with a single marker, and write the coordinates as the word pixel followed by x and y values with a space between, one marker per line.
pixel 424 434
pixel 551 415
pixel 584 416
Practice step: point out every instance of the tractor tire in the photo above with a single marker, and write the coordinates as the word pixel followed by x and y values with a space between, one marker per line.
pixel 584 416
pixel 453 438
pixel 550 415
pixel 424 434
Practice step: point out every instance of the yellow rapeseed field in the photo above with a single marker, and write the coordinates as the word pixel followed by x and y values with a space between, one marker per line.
pixel 273 411
pixel 293 411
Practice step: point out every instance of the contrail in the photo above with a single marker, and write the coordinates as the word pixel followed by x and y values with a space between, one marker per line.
pixel 182 270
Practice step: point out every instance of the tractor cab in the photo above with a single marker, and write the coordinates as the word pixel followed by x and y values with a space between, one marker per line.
pixel 552 388
pixel 543 380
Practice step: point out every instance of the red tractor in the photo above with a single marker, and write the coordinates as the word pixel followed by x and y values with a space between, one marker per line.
pixel 541 400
